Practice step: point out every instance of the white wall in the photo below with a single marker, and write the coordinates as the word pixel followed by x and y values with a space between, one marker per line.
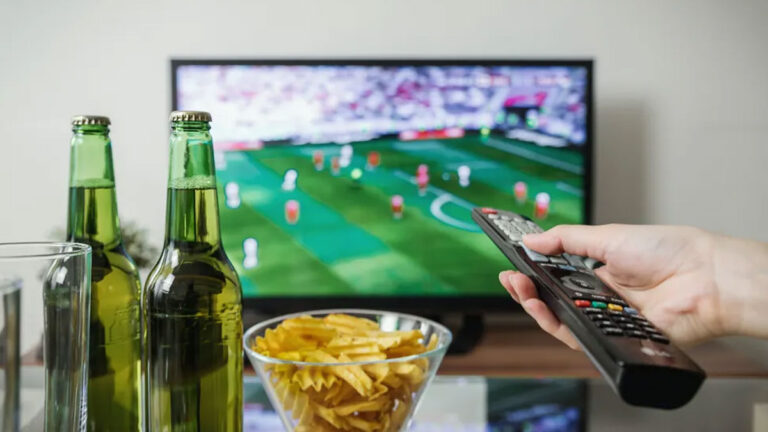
pixel 682 98
pixel 681 89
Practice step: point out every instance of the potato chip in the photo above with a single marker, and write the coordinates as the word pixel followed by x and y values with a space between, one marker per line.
pixel 378 343
pixel 343 321
pixel 362 406
pixel 372 397
pixel 363 425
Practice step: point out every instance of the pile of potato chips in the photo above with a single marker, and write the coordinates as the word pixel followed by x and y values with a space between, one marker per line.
pixel 371 397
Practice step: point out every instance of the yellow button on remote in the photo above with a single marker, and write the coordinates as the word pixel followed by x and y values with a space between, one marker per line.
pixel 615 307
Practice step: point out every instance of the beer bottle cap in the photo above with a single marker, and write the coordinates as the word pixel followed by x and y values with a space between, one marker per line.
pixel 199 116
pixel 90 120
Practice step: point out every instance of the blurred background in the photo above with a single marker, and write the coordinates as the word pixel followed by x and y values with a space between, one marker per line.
pixel 681 99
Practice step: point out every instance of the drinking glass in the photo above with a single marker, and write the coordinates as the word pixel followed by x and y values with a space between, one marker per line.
pixel 45 289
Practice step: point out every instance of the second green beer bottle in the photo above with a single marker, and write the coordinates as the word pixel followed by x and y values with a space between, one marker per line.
pixel 192 299
pixel 114 375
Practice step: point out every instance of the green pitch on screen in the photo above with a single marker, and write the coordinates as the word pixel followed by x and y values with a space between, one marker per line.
pixel 346 241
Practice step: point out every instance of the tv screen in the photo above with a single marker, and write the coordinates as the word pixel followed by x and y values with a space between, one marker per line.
pixel 356 179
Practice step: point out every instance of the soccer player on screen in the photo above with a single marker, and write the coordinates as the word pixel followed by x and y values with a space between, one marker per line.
pixel 318 158
pixel 397 206
pixel 541 207
pixel 374 158
pixel 292 212
pixel 521 192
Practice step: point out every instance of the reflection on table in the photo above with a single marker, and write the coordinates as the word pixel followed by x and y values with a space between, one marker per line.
pixel 471 404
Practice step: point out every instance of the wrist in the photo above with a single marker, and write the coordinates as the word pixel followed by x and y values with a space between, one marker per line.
pixel 741 275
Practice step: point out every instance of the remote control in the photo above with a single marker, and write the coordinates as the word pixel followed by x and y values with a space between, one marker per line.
pixel 637 360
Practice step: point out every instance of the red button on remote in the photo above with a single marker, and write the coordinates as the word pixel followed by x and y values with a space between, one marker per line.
pixel 487 210
pixel 583 303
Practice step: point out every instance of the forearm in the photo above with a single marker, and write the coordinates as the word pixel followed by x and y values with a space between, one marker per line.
pixel 741 274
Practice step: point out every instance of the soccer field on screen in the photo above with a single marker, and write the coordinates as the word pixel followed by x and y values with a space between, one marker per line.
pixel 346 240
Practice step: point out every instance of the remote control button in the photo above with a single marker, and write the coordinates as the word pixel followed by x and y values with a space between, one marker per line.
pixel 636 334
pixel 579 295
pixel 557 260
pixel 614 307
pixel 505 217
pixel 597 297
pixel 535 256
pixel 577 283
pixel 650 330
pixel 520 225
pixel 604 323
pixel 489 211
pixel 640 319
pixel 599 305
pixel 612 331
pixel 659 338
pixel 517 218
pixel 629 326
pixel 616 314
pixel 567 267
pixel 515 236
pixel 631 311
pixel 621 319
pixel 619 301
pixel 534 228
pixel 591 310
pixel 574 260
pixel 582 303
pixel 598 317
pixel 526 228
pixel 509 228
pixel 493 216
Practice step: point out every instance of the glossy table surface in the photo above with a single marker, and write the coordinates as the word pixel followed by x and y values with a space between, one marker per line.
pixel 475 403
pixel 523 350
pixel 479 404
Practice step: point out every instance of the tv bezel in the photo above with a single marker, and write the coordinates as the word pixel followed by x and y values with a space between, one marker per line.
pixel 418 303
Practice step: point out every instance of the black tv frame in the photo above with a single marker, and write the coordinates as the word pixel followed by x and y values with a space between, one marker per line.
pixel 418 304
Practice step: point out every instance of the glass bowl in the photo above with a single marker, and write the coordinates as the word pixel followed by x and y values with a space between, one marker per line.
pixel 331 396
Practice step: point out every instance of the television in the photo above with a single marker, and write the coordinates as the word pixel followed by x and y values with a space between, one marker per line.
pixel 350 183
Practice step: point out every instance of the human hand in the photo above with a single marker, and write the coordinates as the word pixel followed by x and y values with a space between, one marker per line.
pixel 672 275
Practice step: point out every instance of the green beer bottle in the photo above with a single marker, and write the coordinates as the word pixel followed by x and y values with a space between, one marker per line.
pixel 114 365
pixel 192 299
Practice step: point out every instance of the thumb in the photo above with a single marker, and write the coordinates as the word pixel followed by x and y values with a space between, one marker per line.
pixel 589 241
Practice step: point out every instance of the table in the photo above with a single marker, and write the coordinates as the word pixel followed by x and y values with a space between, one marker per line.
pixel 521 358
pixel 478 404
pixel 524 350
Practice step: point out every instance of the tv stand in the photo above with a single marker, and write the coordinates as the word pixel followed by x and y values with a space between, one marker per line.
pixel 467 331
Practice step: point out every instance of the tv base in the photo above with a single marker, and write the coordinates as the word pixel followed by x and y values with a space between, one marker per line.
pixel 467 331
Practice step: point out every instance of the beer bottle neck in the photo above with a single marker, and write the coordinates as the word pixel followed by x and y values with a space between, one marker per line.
pixel 192 214
pixel 92 203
